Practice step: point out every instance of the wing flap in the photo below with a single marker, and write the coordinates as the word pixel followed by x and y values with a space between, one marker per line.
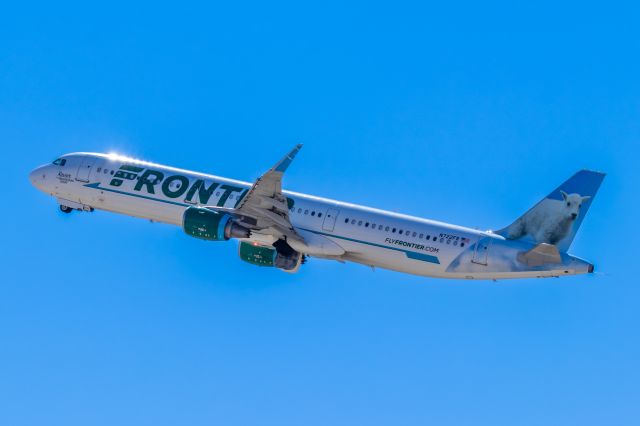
pixel 264 207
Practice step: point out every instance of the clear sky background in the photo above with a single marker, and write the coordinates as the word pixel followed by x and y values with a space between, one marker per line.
pixel 467 114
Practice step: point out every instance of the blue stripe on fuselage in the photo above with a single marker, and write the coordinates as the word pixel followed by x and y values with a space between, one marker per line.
pixel 410 254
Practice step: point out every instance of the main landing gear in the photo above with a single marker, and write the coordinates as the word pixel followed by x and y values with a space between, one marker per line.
pixel 65 209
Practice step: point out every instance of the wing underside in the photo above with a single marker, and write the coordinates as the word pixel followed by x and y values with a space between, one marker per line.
pixel 264 209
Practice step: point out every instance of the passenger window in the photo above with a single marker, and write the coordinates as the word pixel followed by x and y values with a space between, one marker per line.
pixel 461 244
pixel 386 229
pixel 421 236
pixel 455 243
pixel 435 238
pixel 366 225
pixel 111 172
pixel 313 213
pixel 393 230
pixel 414 234
pixel 319 214
pixel 346 220
pixel 400 232
pixel 359 223
pixel 299 210
pixel 99 169
pixel 306 211
pixel 353 221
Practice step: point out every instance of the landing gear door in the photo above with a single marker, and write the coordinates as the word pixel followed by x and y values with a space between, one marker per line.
pixel 330 220
pixel 481 253
pixel 85 169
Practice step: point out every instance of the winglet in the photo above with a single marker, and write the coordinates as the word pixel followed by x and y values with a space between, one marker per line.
pixel 283 164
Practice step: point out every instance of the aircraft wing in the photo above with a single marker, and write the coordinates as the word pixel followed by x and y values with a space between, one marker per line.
pixel 264 208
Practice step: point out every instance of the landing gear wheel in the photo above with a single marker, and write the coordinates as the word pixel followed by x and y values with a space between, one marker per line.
pixel 65 209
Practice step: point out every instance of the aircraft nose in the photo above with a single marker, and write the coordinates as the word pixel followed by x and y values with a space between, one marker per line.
pixel 37 177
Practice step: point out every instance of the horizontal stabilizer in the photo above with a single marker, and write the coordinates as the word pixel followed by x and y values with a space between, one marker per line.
pixel 541 254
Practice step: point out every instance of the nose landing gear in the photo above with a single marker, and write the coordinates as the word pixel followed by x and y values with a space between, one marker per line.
pixel 67 206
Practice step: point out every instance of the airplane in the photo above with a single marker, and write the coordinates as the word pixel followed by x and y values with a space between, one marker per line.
pixel 280 229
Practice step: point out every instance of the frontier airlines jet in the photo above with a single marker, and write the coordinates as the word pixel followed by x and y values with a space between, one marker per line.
pixel 278 228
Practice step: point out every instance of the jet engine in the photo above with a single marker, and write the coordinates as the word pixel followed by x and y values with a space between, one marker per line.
pixel 280 255
pixel 207 224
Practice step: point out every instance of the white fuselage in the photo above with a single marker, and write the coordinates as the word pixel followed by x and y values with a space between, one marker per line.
pixel 368 236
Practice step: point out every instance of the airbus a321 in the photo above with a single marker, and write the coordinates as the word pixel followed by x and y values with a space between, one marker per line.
pixel 278 228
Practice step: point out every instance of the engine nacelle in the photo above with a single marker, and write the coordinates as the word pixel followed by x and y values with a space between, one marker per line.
pixel 257 255
pixel 276 256
pixel 206 224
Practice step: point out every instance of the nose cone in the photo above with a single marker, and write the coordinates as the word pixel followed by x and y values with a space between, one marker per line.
pixel 37 177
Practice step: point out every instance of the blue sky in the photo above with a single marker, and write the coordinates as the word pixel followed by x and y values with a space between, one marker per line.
pixel 467 114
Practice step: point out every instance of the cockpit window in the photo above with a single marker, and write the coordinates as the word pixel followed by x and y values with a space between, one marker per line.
pixel 60 162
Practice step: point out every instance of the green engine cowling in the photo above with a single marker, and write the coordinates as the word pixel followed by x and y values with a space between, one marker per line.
pixel 274 256
pixel 207 224
pixel 257 255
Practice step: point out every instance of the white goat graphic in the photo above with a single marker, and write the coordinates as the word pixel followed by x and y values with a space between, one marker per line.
pixel 550 220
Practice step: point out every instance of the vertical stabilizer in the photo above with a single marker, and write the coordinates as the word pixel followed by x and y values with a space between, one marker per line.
pixel 556 219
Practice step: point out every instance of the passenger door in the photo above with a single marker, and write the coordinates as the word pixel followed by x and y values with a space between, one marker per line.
pixel 330 220
pixel 481 253
pixel 85 169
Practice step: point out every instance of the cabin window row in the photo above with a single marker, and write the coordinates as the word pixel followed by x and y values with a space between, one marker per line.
pixel 309 212
pixel 394 230
pixel 105 171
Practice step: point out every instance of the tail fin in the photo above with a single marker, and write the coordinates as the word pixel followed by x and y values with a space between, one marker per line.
pixel 556 219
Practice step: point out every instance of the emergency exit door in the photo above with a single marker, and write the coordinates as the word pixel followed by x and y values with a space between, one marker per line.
pixel 330 220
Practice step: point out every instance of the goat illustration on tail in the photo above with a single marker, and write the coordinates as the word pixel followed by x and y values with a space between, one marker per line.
pixel 556 218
